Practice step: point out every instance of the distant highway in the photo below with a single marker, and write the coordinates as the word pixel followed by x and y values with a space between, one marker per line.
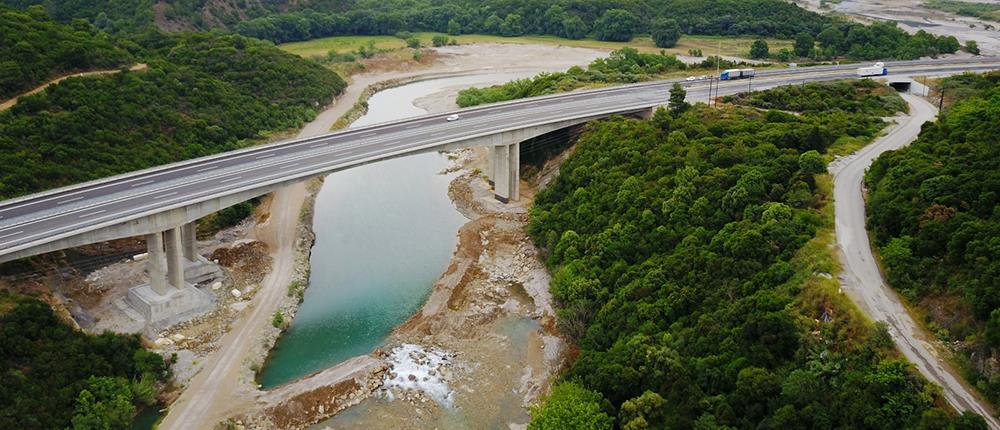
pixel 47 217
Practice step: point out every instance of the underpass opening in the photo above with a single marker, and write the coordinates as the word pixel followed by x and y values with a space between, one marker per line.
pixel 537 150
pixel 901 86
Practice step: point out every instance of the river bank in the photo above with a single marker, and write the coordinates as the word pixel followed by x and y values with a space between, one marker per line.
pixel 224 386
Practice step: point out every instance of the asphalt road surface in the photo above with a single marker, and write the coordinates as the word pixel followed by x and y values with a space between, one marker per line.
pixel 46 217
pixel 862 278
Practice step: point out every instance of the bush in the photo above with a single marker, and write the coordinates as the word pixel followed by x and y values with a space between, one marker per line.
pixel 570 406
pixel 439 40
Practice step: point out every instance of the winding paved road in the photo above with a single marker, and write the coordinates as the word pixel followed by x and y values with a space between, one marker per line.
pixel 862 278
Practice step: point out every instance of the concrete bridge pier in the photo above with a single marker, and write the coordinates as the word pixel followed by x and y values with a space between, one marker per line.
pixel 505 161
pixel 173 260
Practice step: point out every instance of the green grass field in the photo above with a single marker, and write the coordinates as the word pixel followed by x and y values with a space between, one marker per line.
pixel 734 46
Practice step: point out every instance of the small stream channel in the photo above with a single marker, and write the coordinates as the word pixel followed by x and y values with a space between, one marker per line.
pixel 384 233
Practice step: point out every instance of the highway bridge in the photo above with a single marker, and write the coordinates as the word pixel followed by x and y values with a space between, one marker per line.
pixel 162 203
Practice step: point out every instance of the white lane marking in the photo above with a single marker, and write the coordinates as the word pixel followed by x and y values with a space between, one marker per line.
pixel 413 126
pixel 319 145
pixel 583 110
pixel 91 214
pixel 368 134
pixel 139 184
pixel 205 169
pixel 69 200
pixel 290 165
pixel 161 196
pixel 12 234
pixel 260 157
pixel 236 178
pixel 345 162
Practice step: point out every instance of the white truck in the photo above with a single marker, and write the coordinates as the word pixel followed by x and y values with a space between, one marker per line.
pixel 878 69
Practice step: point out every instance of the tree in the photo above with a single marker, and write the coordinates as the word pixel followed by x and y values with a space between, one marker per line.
pixel 643 412
pixel 615 25
pixel 993 329
pixel 439 40
pixel 106 403
pixel 812 163
pixel 574 27
pixel 831 38
pixel 454 28
pixel 492 24
pixel 666 33
pixel 759 49
pixel 570 406
pixel 804 44
pixel 512 26
pixel 971 47
pixel 677 102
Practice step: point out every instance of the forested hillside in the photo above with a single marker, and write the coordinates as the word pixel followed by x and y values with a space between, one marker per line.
pixel 201 95
pixel 34 49
pixel 935 214
pixel 690 258
pixel 53 377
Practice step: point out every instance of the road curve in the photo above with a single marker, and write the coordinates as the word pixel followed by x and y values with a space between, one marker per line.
pixel 862 278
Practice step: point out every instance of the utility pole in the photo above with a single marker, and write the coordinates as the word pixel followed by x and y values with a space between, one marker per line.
pixel 941 101
pixel 718 61
pixel 750 85
pixel 710 92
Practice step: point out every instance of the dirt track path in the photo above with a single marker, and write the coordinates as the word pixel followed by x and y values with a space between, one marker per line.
pixel 862 278
pixel 7 104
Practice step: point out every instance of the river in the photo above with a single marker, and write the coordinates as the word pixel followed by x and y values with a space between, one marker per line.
pixel 384 233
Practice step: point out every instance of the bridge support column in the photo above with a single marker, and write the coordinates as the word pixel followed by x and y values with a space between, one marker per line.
pixel 190 241
pixel 175 257
pixel 156 264
pixel 491 166
pixel 507 174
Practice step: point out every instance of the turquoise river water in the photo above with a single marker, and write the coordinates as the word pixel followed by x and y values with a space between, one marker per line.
pixel 384 233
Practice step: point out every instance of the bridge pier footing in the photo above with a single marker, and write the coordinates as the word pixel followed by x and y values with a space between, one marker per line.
pixel 173 260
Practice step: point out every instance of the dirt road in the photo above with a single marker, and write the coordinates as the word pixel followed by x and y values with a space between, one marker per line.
pixel 12 101
pixel 862 279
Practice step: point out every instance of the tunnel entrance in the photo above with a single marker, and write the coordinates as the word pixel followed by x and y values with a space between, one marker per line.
pixel 901 86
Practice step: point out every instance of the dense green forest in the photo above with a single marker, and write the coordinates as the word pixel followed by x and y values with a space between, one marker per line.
pixel 202 94
pixel 686 266
pixel 625 65
pixel 54 377
pixel 34 49
pixel 605 20
pixel 613 20
pixel 935 215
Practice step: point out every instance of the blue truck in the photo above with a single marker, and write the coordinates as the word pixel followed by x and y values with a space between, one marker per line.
pixel 733 74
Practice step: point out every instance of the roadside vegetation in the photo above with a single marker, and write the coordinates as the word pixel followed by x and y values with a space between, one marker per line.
pixel 625 65
pixel 691 266
pixel 935 216
pixel 202 94
pixel 54 377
